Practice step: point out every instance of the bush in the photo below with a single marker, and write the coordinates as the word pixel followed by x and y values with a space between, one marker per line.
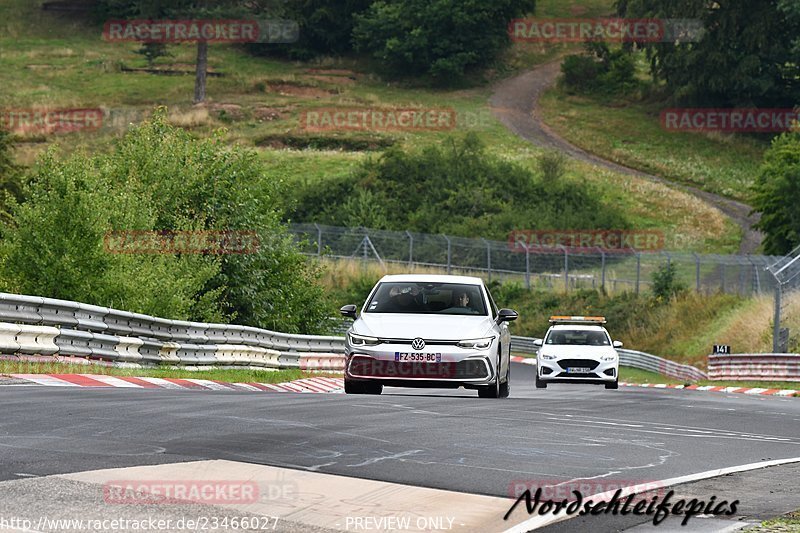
pixel 552 165
pixel 159 178
pixel 459 189
pixel 665 283
pixel 777 195
pixel 600 69
pixel 10 179
pixel 438 38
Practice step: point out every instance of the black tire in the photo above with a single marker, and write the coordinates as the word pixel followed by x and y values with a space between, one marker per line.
pixel 493 390
pixel 539 383
pixel 373 388
pixel 505 387
pixel 614 385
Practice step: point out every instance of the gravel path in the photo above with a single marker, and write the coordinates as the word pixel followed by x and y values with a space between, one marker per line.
pixel 515 103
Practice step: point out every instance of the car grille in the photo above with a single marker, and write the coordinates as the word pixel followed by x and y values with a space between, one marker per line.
pixel 369 367
pixel 580 363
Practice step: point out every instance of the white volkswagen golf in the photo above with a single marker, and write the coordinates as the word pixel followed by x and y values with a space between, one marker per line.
pixel 429 331
pixel 577 349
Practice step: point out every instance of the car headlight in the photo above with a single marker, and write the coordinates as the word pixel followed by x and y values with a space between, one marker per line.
pixel 476 343
pixel 548 357
pixel 363 340
pixel 608 358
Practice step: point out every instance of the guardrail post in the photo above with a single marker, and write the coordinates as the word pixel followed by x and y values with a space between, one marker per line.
pixel 697 271
pixel 410 249
pixel 319 239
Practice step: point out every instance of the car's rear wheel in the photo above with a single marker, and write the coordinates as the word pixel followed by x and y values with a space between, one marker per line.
pixel 539 383
pixel 614 385
pixel 362 387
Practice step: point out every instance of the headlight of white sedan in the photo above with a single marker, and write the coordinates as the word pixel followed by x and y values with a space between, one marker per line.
pixel 479 344
pixel 363 340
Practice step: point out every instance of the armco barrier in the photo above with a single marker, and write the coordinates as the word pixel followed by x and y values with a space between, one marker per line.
pixel 32 325
pixel 754 367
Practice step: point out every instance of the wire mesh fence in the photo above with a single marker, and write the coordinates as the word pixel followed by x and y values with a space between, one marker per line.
pixel 785 272
pixel 556 268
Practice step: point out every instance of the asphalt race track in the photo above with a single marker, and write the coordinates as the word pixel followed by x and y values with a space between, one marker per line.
pixel 440 439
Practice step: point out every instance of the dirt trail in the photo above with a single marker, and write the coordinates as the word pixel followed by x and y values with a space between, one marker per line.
pixel 515 103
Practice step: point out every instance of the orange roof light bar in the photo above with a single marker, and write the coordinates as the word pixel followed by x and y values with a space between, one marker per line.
pixel 584 319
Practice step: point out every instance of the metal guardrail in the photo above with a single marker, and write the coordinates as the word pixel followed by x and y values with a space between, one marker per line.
pixel 46 326
pixel 62 330
pixel 754 367
pixel 631 358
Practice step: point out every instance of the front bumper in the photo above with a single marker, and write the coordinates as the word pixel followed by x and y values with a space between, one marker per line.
pixel 555 370
pixel 457 367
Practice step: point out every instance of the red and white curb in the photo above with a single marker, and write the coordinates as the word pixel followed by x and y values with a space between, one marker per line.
pixel 313 385
pixel 712 388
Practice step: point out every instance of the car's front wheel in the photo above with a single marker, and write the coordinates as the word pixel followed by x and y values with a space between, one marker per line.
pixel 613 385
pixel 539 383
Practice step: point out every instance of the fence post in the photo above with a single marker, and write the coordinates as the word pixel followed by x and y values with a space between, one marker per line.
pixel 319 239
pixel 603 274
pixel 776 328
pixel 449 251
pixel 527 266
pixel 697 271
pixel 488 258
pixel 410 249
pixel 566 267
pixel 638 270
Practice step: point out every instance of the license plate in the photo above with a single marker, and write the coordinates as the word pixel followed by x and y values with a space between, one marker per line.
pixel 418 357
pixel 578 370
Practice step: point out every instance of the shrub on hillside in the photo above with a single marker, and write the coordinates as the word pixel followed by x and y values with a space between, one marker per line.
pixel 600 69
pixel 458 188
pixel 159 178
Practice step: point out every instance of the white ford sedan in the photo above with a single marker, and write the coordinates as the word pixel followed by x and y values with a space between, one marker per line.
pixel 429 331
pixel 577 349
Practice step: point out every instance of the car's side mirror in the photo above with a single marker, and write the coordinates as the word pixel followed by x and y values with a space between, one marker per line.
pixel 348 311
pixel 537 342
pixel 617 344
pixel 506 315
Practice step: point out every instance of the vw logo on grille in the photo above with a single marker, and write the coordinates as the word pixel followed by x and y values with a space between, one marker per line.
pixel 418 344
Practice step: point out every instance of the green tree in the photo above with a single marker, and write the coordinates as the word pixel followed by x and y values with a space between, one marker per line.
pixel 746 57
pixel 777 195
pixel 159 178
pixel 439 38
pixel 666 283
pixel 10 177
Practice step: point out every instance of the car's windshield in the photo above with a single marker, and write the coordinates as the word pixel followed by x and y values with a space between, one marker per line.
pixel 579 337
pixel 427 298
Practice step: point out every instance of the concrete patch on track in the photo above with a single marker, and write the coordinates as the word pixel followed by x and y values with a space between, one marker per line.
pixel 306 501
